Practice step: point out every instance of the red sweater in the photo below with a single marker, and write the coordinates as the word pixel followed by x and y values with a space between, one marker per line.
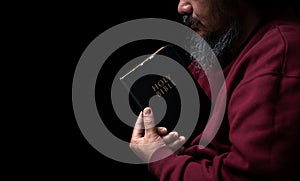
pixel 258 138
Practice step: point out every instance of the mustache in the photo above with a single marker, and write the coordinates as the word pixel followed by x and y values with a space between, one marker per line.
pixel 189 21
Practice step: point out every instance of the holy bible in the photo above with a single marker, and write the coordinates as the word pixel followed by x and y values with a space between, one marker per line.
pixel 151 83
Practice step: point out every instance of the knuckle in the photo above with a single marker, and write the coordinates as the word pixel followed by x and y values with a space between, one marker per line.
pixel 148 121
pixel 174 134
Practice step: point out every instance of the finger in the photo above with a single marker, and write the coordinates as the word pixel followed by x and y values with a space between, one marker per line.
pixel 177 143
pixel 162 131
pixel 149 122
pixel 138 127
pixel 171 137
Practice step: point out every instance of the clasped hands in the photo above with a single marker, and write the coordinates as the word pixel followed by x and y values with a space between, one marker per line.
pixel 146 138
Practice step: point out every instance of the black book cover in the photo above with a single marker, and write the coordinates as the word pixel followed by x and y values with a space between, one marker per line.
pixel 152 78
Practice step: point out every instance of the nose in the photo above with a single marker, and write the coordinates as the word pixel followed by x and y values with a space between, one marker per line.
pixel 184 7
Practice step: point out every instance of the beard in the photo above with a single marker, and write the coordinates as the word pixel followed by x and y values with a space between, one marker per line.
pixel 220 43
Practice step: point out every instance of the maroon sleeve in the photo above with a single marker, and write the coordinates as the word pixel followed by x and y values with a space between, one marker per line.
pixel 264 128
pixel 264 120
pixel 185 167
pixel 264 136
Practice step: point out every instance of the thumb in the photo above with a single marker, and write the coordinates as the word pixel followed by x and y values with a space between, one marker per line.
pixel 138 128
pixel 149 121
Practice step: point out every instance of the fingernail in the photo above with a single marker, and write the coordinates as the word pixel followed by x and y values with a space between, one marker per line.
pixel 147 111
pixel 174 133
pixel 181 138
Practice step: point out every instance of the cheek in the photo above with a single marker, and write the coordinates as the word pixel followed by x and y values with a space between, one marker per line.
pixel 214 23
pixel 209 17
pixel 211 23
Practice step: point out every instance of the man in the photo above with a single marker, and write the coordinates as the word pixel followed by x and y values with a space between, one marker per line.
pixel 257 46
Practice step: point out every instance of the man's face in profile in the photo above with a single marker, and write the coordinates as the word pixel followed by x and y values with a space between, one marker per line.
pixel 212 20
pixel 203 15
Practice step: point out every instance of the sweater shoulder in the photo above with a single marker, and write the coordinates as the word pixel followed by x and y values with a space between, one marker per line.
pixel 272 50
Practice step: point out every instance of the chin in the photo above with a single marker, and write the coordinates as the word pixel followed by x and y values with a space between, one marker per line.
pixel 201 33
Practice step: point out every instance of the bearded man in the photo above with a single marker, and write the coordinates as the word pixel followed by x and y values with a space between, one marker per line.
pixel 256 43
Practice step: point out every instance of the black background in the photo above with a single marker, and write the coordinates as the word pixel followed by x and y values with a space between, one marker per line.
pixel 64 31
pixel 47 40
